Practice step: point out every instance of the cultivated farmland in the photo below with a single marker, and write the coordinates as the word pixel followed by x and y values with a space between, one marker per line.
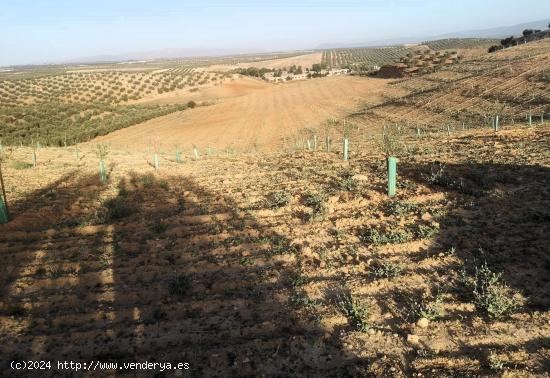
pixel 369 57
pixel 258 234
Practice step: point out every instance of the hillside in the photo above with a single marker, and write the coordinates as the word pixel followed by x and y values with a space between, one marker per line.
pixel 233 236
pixel 512 83
pixel 268 117
pixel 498 32
pixel 289 262
pixel 370 57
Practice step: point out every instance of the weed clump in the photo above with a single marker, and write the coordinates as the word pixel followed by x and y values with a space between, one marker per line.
pixel 373 236
pixel 401 208
pixel 159 227
pixel 17 164
pixel 428 308
pixel 280 245
pixel 279 199
pixel 490 294
pixel 179 285
pixel 347 182
pixel 386 269
pixel 318 204
pixel 355 310
pixel 117 208
pixel 426 231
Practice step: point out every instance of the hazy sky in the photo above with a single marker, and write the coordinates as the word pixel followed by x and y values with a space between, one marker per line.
pixel 56 30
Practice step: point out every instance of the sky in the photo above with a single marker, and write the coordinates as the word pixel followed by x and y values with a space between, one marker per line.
pixel 50 31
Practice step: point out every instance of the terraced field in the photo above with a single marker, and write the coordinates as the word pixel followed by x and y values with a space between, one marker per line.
pixel 460 43
pixel 370 57
pixel 257 116
pixel 364 56
pixel 512 84
pixel 287 263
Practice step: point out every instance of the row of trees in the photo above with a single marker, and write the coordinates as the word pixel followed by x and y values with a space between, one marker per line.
pixel 54 124
pixel 507 42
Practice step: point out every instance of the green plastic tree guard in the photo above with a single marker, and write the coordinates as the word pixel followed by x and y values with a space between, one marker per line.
pixel 327 142
pixel 315 143
pixel 178 157
pixel 541 119
pixel 34 159
pixel 196 153
pixel 346 149
pixel 102 172
pixel 308 145
pixel 4 218
pixel 496 123
pixel 530 120
pixel 392 175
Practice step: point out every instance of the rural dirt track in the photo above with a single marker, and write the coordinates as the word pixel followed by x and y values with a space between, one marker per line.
pixel 256 116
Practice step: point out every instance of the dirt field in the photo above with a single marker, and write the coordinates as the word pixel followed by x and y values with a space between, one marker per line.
pixel 203 262
pixel 240 86
pixel 306 60
pixel 291 261
pixel 258 115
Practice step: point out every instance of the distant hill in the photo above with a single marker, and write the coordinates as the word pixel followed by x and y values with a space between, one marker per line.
pixel 498 32
pixel 173 53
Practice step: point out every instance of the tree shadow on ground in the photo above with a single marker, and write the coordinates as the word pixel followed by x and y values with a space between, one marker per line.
pixel 165 271
pixel 171 270
pixel 500 217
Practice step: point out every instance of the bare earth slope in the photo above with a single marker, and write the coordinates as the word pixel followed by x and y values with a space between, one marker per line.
pixel 306 61
pixel 195 263
pixel 512 83
pixel 295 263
pixel 260 117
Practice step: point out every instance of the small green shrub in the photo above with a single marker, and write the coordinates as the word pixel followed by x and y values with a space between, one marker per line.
pixel 426 231
pixel 401 208
pixel 159 227
pixel 347 182
pixel 430 309
pixel 163 184
pixel 118 208
pixel 147 181
pixel 179 285
pixel 490 294
pixel 373 236
pixel 355 310
pixel 495 363
pixel 159 315
pixel 301 299
pixel 17 164
pixel 391 142
pixel 318 205
pixel 386 269
pixel 280 245
pixel 279 199
pixel 299 280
